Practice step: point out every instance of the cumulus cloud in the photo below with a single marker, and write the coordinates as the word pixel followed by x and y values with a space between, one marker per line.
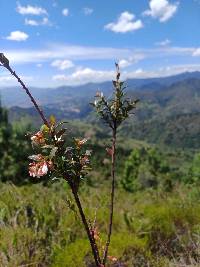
pixel 65 12
pixel 161 9
pixel 17 36
pixel 87 75
pixel 87 11
pixel 123 63
pixel 84 75
pixel 30 10
pixel 125 23
pixel 55 51
pixel 165 42
pixel 62 64
pixel 196 53
pixel 31 22
pixel 44 22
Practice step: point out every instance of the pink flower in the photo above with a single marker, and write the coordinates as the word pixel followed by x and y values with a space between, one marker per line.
pixel 41 167
pixel 85 160
pixel 33 169
pixel 38 138
pixel 114 259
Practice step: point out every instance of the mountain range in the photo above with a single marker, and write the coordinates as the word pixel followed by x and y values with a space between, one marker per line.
pixel 168 111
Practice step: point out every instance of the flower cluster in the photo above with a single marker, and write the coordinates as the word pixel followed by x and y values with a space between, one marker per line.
pixel 56 158
pixel 38 139
pixel 40 166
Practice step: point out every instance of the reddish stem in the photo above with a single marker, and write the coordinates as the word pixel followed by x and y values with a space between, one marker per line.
pixel 111 195
pixel 30 95
pixel 90 236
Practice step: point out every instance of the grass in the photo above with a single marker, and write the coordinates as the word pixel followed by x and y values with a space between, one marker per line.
pixel 39 227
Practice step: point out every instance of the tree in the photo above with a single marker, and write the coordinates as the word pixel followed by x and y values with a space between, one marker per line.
pixel 193 176
pixel 13 150
pixel 145 168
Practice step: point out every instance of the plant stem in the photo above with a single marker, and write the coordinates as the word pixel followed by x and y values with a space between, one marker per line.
pixel 112 195
pixel 84 221
pixel 30 95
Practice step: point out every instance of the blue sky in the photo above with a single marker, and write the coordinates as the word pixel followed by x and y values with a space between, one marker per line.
pixel 57 42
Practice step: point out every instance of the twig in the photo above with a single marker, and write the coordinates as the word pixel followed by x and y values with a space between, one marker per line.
pixel 112 195
pixel 90 237
pixel 5 63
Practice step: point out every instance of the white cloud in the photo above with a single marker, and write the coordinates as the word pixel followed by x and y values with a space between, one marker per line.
pixel 78 53
pixel 123 63
pixel 31 10
pixel 31 22
pixel 44 22
pixel 71 52
pixel 17 36
pixel 38 65
pixel 85 75
pixel 162 72
pixel 196 53
pixel 161 9
pixel 125 23
pixel 7 80
pixel 165 42
pixel 62 64
pixel 65 12
pixel 87 11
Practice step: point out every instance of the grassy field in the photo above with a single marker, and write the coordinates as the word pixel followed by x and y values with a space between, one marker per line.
pixel 39 226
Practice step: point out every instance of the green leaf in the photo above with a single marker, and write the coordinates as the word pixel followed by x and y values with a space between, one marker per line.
pixel 52 120
pixel 44 128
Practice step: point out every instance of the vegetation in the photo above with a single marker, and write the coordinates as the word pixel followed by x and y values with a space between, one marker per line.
pixel 157 199
pixel 154 226
pixel 151 228
pixel 14 148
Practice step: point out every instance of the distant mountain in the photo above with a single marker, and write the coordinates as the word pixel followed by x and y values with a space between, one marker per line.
pixel 65 95
pixel 162 81
pixel 168 111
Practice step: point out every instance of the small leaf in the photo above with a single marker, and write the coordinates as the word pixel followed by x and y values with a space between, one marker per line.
pixel 52 120
pixel 60 133
pixel 114 83
pixel 53 152
pixel 34 157
pixel 88 152
pixel 44 128
pixel 4 60
pixel 47 146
